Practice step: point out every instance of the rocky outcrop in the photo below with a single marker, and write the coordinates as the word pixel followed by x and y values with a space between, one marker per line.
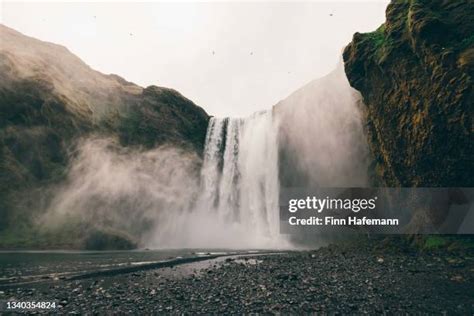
pixel 415 74
pixel 50 100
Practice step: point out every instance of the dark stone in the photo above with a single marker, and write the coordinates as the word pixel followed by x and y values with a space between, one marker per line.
pixel 415 74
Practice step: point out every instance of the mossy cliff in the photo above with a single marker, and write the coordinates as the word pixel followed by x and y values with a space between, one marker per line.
pixel 49 100
pixel 415 74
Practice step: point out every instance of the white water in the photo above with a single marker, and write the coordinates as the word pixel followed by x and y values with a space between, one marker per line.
pixel 237 206
pixel 243 180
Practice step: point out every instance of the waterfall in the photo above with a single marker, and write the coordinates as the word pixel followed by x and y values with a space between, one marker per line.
pixel 210 173
pixel 236 203
pixel 313 138
pixel 239 177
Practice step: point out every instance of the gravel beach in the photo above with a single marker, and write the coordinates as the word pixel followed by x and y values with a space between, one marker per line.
pixel 334 279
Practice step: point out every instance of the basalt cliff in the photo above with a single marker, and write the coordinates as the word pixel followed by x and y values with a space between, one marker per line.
pixel 415 74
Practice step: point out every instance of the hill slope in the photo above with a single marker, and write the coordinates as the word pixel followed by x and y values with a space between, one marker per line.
pixel 50 100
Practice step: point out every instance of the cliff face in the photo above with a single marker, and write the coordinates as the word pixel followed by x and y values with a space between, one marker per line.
pixel 415 74
pixel 50 100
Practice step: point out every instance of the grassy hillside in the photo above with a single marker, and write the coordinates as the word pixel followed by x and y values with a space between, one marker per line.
pixel 49 101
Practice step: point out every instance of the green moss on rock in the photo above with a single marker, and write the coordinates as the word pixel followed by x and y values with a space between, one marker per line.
pixel 415 75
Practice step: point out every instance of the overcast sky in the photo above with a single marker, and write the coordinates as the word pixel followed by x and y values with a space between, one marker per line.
pixel 231 58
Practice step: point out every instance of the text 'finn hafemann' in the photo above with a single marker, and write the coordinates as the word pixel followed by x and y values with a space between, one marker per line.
pixel 350 221
pixel 354 205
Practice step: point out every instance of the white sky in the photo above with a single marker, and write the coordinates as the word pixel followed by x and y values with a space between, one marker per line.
pixel 263 51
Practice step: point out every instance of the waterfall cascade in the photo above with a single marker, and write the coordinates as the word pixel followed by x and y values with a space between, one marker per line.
pixel 313 138
pixel 236 203
pixel 239 177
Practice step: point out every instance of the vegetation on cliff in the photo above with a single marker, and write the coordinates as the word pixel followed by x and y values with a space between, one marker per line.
pixel 49 101
pixel 415 74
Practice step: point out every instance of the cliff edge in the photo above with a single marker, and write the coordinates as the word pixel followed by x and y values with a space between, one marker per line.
pixel 415 73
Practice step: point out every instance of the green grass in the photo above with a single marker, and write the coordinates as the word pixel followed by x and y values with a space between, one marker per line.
pixel 451 243
pixel 435 242
pixel 377 38
pixel 380 43
pixel 466 43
